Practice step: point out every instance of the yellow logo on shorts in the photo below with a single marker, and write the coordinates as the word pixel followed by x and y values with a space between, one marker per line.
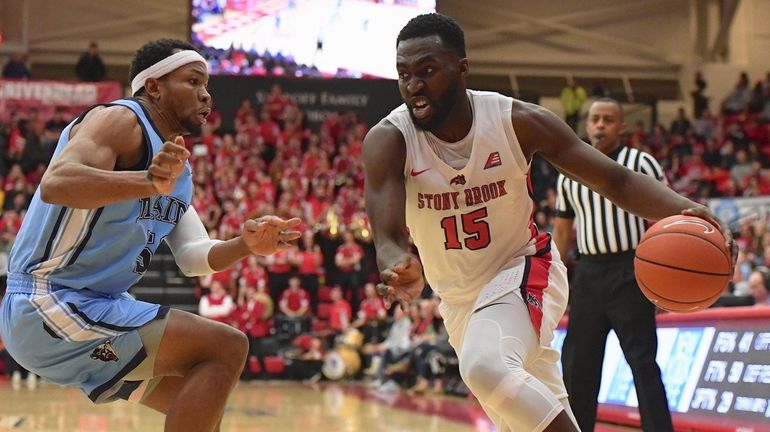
pixel 105 352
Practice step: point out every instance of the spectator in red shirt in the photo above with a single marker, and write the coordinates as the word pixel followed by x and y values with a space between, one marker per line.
pixel 343 162
pixel 250 128
pixel 15 174
pixel 309 262
pixel 295 302
pixel 207 206
pixel 252 274
pixel 316 206
pixel 340 313
pixel 277 102
pixel 216 305
pixel 279 270
pixel 231 222
pixel 324 178
pixel 371 315
pixel 246 109
pixel 348 260
pixel 254 317
pixel 311 159
pixel 332 126
pixel 226 278
pixel 10 224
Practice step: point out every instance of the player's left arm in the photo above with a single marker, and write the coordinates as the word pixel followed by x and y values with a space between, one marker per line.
pixel 197 254
pixel 541 131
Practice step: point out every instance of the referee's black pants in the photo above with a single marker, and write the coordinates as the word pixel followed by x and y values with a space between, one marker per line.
pixel 604 295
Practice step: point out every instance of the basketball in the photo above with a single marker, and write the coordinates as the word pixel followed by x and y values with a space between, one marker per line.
pixel 682 264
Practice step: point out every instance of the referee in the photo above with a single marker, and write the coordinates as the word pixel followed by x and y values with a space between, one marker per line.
pixel 604 294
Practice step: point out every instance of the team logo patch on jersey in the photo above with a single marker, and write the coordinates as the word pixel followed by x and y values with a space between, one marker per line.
pixel 105 352
pixel 459 180
pixel 493 160
pixel 531 299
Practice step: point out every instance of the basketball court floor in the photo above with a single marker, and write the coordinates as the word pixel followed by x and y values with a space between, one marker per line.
pixel 255 407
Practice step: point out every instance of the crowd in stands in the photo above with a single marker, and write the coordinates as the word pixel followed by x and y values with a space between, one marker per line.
pixel 272 162
pixel 240 61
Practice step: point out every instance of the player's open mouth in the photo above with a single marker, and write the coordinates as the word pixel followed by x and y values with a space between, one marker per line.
pixel 202 114
pixel 421 108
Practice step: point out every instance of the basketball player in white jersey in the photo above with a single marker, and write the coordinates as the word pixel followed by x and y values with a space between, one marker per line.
pixel 450 168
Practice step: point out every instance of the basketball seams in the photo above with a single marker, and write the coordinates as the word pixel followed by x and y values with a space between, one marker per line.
pixel 721 249
pixel 674 231
pixel 681 268
pixel 678 302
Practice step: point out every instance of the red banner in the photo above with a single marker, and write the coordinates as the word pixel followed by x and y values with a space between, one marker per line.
pixel 23 95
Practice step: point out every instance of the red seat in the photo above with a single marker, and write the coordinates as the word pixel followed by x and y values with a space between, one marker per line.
pixel 254 366
pixel 274 365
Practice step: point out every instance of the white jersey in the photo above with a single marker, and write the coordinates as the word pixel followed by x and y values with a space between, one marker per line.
pixel 469 223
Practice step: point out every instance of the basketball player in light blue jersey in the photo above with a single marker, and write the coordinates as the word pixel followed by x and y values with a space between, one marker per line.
pixel 120 184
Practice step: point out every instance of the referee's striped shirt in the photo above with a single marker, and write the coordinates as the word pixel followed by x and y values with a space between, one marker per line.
pixel 602 226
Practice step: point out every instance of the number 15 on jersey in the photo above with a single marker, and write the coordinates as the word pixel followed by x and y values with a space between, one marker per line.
pixel 473 225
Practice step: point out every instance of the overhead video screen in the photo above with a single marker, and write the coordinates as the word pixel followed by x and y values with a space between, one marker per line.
pixel 319 38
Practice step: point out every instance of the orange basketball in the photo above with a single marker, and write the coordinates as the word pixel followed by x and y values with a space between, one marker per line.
pixel 682 264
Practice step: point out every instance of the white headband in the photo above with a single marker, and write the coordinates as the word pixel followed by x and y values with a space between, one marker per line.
pixel 165 66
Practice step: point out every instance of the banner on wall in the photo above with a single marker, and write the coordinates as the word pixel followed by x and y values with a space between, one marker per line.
pixel 370 99
pixel 23 95
pixel 736 210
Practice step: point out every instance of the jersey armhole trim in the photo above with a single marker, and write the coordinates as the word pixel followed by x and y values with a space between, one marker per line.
pixel 518 154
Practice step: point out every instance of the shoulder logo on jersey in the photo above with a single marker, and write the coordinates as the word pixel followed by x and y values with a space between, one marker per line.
pixel 105 352
pixel 414 173
pixel 493 160
pixel 458 180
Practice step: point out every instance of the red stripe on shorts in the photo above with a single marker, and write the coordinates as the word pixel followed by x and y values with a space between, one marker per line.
pixel 536 279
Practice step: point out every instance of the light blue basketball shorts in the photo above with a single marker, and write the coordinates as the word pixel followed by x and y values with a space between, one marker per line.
pixel 76 337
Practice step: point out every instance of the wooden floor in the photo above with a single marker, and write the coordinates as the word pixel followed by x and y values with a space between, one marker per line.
pixel 257 407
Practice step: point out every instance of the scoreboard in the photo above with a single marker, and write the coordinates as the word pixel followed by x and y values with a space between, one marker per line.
pixel 715 366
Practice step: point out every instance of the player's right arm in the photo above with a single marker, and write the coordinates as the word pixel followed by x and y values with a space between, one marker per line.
pixel 385 195
pixel 87 173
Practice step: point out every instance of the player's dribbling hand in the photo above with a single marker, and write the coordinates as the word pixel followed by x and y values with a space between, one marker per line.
pixel 269 234
pixel 703 212
pixel 402 282
pixel 167 165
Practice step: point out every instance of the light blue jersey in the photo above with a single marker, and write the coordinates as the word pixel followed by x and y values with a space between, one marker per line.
pixel 106 249
pixel 66 315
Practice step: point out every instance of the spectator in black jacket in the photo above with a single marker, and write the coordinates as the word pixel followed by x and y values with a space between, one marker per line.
pixel 90 67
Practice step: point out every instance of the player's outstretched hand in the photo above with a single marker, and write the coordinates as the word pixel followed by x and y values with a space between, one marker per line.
pixel 703 212
pixel 167 165
pixel 402 282
pixel 268 234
